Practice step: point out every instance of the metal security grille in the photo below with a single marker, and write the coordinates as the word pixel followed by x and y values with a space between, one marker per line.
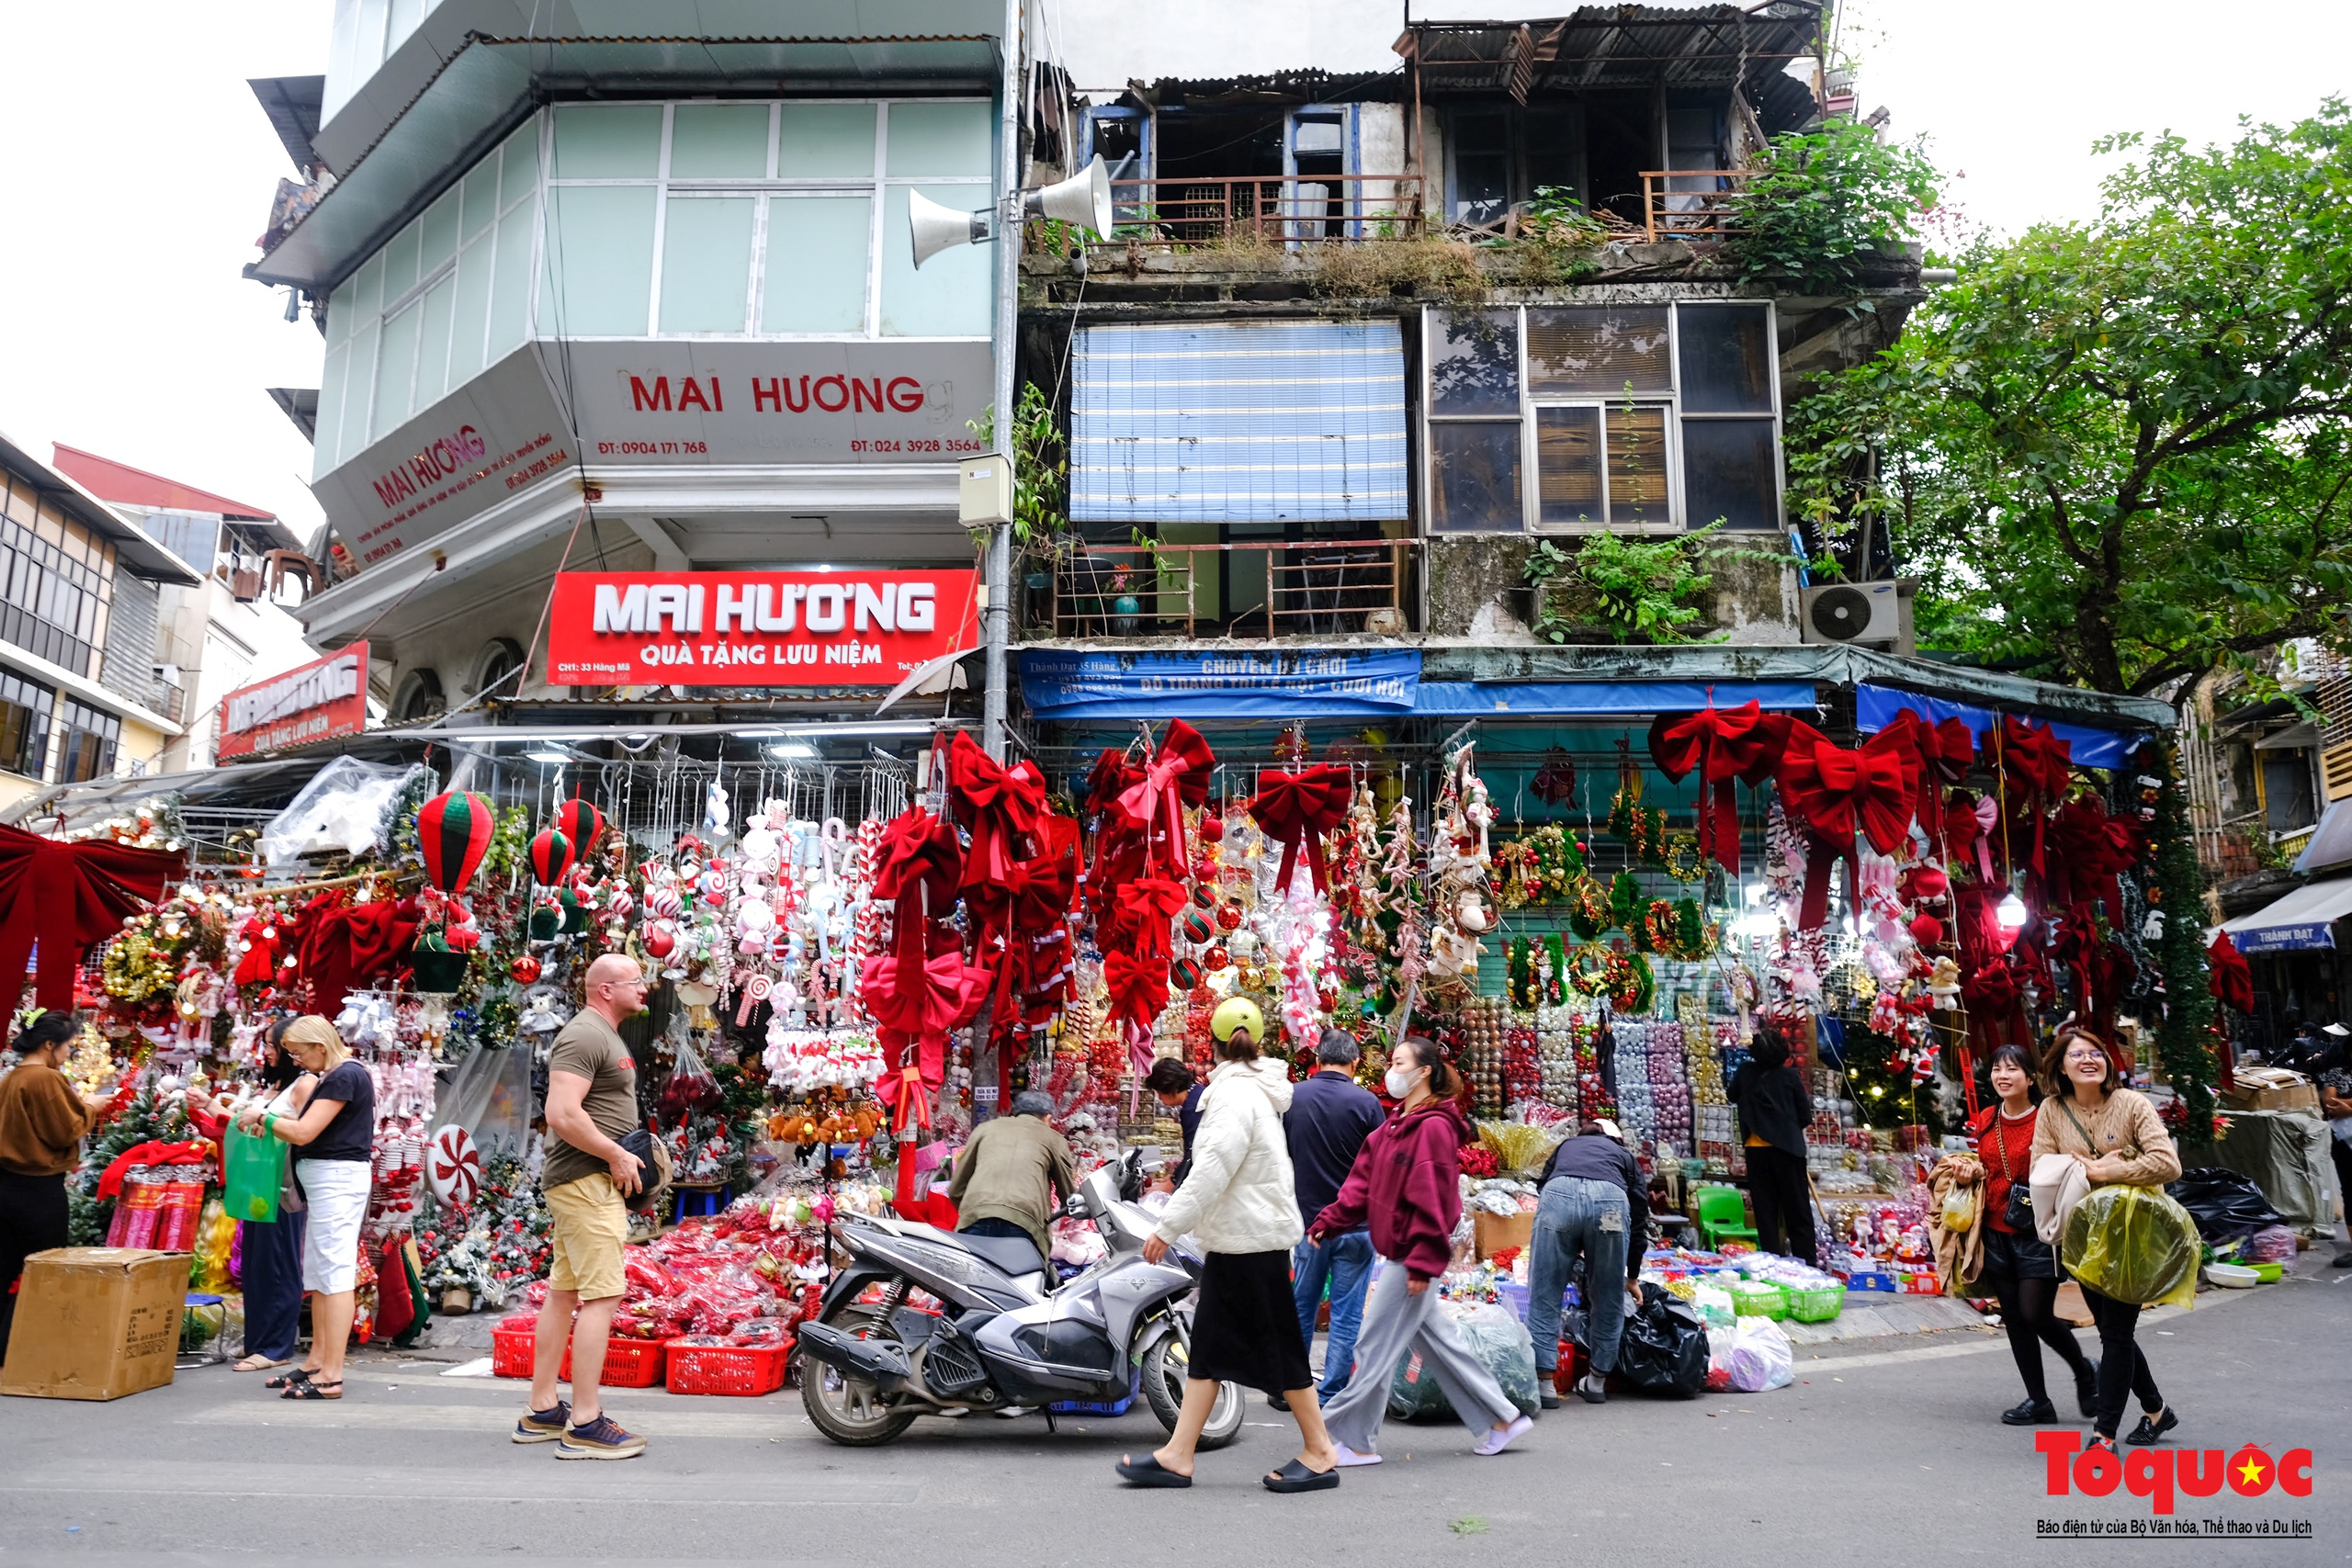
pixel 1239 423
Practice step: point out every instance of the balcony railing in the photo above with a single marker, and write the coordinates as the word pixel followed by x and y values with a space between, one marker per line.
pixel 1270 209
pixel 1273 589
pixel 1705 206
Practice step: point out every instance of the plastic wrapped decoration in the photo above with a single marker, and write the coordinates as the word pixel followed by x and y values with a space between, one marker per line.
pixel 2133 1243
pixel 1499 1342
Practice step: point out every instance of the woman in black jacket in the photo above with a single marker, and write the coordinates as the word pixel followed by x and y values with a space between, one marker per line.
pixel 1774 1109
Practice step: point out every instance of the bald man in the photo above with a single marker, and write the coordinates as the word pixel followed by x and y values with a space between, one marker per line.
pixel 592 1104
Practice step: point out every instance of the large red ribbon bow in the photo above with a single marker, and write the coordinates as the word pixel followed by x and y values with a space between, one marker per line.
pixel 2088 849
pixel 2034 764
pixel 1831 794
pixel 2231 980
pixel 343 944
pixel 69 895
pixel 915 1006
pixel 916 869
pixel 1297 809
pixel 1735 746
pixel 1176 776
pixel 999 805
pixel 1138 989
pixel 1146 906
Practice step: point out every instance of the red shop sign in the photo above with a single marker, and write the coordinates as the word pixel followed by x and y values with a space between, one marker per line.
pixel 322 700
pixel 754 629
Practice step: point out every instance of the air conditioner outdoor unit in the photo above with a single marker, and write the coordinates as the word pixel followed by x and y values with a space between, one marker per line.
pixel 1873 613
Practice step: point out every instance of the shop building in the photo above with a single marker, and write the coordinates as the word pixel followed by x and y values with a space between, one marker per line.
pixel 81 698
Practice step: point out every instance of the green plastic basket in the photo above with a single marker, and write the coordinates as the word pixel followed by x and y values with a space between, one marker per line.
pixel 1817 1307
pixel 1760 1298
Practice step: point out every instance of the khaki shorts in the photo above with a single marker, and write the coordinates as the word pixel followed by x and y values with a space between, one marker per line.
pixel 591 1224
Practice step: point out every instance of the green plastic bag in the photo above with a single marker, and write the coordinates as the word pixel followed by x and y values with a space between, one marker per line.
pixel 253 1171
pixel 2133 1243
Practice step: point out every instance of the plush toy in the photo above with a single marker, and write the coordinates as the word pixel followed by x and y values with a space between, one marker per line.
pixel 1943 982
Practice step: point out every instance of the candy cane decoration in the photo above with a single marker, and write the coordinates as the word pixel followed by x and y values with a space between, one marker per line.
pixel 756 989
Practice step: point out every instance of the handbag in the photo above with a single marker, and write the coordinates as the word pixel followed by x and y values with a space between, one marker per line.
pixel 654 1168
pixel 2017 1211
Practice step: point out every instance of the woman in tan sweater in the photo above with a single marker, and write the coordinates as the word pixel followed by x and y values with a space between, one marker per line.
pixel 2118 1139
pixel 42 1122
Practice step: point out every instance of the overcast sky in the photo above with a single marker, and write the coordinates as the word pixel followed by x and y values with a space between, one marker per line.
pixel 137 170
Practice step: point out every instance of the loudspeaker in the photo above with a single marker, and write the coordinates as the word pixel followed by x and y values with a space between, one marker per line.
pixel 1084 198
pixel 935 228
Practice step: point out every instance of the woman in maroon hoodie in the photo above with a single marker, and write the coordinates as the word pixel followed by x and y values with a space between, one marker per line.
pixel 1407 1184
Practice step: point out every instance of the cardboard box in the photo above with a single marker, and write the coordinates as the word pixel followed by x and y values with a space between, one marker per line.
pixel 2272 1088
pixel 1495 1232
pixel 95 1323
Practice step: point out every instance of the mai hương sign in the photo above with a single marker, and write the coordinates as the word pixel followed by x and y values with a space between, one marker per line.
pixel 754 629
pixel 322 700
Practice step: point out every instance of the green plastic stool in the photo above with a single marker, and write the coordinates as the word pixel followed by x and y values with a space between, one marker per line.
pixel 1722 1215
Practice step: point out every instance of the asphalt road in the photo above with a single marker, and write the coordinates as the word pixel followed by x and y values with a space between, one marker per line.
pixel 1884 1452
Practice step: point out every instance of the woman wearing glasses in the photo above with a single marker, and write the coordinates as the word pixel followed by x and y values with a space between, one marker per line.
pixel 2116 1136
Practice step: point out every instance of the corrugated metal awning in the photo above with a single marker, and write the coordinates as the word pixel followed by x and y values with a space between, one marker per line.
pixel 2304 919
pixel 1246 421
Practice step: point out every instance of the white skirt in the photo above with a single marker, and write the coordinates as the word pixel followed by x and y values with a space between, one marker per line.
pixel 336 1191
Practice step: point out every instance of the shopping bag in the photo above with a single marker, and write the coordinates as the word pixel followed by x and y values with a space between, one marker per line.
pixel 1496 1338
pixel 1665 1346
pixel 250 1171
pixel 2133 1243
pixel 1761 1356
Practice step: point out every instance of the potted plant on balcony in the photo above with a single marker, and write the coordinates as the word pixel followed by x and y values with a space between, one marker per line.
pixel 1127 610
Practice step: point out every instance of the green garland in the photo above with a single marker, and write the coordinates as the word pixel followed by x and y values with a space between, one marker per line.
pixel 1626 901
pixel 2177 886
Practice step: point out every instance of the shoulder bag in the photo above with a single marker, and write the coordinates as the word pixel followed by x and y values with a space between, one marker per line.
pixel 2017 1211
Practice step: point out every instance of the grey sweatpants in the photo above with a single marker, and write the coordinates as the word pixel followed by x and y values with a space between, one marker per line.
pixel 1396 1320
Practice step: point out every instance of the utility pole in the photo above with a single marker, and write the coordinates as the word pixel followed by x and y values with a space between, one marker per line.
pixel 997 619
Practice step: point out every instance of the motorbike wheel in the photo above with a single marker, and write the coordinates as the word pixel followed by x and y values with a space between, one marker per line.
pixel 848 1410
pixel 1163 1387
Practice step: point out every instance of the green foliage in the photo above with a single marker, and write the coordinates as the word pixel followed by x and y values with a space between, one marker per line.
pixel 2121 449
pixel 1040 469
pixel 1556 217
pixel 1638 587
pixel 1823 205
pixel 2177 886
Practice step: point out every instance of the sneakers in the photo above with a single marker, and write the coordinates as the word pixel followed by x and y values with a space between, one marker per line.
pixel 2031 1413
pixel 1499 1438
pixel 601 1438
pixel 544 1425
pixel 2151 1427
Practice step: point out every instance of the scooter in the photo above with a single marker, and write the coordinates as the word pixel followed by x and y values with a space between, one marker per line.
pixel 1004 1335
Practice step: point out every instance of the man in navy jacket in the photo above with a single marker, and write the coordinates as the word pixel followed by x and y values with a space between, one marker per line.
pixel 1329 1120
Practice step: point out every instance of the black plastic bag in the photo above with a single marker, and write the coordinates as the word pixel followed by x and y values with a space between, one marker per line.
pixel 1664 1347
pixel 2226 1204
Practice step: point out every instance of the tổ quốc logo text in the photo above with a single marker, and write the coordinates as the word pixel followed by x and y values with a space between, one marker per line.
pixel 2164 1475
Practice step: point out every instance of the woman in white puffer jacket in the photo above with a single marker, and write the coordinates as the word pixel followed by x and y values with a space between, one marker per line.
pixel 1237 1203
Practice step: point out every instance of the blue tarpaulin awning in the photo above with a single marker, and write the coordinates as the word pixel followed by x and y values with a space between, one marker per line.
pixel 1563 699
pixel 1274 684
pixel 1875 708
pixel 2305 918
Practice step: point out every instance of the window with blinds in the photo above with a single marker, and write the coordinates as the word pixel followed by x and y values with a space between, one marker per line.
pixel 1240 423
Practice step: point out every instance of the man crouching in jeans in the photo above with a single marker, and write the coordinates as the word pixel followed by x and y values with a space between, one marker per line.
pixel 592 1102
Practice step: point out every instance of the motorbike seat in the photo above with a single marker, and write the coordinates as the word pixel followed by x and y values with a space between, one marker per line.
pixel 1015 1255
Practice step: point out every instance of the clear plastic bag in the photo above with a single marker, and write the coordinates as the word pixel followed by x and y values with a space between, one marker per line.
pixel 2133 1243
pixel 341 808
pixel 1499 1342
pixel 490 1095
pixel 1761 1356
pixel 691 1087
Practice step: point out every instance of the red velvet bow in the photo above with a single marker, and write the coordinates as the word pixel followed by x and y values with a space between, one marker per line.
pixel 916 1006
pixel 1140 927
pixel 1940 755
pixel 2231 980
pixel 918 865
pixel 342 944
pixel 1113 777
pixel 1968 825
pixel 999 805
pixel 1297 809
pixel 2088 849
pixel 1738 746
pixel 2034 766
pixel 69 895
pixel 1176 776
pixel 1138 989
pixel 1034 896
pixel 1829 791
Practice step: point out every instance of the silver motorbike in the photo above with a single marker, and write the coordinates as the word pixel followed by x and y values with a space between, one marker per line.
pixel 1005 1335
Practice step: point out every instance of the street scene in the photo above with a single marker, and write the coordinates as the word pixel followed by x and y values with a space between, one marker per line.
pixel 1490 781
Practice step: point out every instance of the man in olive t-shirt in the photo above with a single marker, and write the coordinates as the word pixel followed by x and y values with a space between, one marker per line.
pixel 586 1178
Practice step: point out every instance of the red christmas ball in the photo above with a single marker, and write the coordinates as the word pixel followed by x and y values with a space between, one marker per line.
pixel 525 969
pixel 1211 831
pixel 1215 959
pixel 1229 917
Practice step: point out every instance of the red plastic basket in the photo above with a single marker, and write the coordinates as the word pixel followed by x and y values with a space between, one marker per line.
pixel 510 1346
pixel 628 1363
pixel 740 1370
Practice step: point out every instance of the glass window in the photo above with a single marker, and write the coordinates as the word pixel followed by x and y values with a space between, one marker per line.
pixel 438 232
pixel 522 175
pixel 1474 476
pixel 939 141
pixel 433 343
pixel 481 200
pixel 707 263
pixel 607 141
pixel 950 297
pixel 470 313
pixel 1568 465
pixel 510 297
pixel 86 746
pixel 817 263
pixel 50 605
pixel 825 141
pixel 1730 470
pixel 1474 362
pixel 395 373
pixel 719 141
pixel 330 410
pixel 1726 359
pixel 24 725
pixel 1607 351
pixel 599 273
pixel 1637 492
pixel 339 310
pixel 360 387
pixel 370 299
pixel 400 265
pixel 1481 153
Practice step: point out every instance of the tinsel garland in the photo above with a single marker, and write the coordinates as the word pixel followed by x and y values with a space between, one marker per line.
pixel 2177 886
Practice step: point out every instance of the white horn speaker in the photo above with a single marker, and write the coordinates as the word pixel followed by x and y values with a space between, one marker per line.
pixel 935 228
pixel 1084 198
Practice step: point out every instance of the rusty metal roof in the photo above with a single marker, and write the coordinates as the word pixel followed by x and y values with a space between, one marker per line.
pixel 1600 47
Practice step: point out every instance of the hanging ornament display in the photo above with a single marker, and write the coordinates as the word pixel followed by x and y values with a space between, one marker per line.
pixel 550 856
pixel 453 833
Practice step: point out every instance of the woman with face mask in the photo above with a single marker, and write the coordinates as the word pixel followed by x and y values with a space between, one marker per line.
pixel 1407 1185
